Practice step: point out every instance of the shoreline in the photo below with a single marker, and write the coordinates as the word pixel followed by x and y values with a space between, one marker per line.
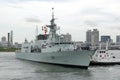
pixel 8 49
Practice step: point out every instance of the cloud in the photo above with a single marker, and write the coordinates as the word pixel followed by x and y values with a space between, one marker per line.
pixel 90 23
pixel 14 6
pixel 95 17
pixel 32 20
pixel 17 1
pixel 70 13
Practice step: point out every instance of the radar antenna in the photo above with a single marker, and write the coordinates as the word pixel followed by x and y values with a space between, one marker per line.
pixel 52 13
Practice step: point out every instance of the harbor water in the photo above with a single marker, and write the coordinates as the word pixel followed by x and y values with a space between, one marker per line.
pixel 16 69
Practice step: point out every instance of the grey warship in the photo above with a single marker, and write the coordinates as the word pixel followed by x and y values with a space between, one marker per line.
pixel 50 49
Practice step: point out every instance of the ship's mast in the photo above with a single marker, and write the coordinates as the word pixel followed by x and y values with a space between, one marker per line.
pixel 52 21
pixel 52 27
pixel 52 13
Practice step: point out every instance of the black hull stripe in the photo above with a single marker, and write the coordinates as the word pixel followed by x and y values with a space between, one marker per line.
pixel 103 63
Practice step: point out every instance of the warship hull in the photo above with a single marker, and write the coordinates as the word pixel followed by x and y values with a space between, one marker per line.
pixel 68 58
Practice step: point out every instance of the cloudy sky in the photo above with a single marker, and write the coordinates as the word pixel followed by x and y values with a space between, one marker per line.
pixel 73 16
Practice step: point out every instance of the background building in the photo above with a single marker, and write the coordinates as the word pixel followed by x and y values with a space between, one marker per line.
pixel 4 43
pixel 17 45
pixel 118 39
pixel 11 38
pixel 105 39
pixel 7 42
pixel 95 36
pixel 3 39
pixel 66 37
pixel 92 37
pixel 8 37
pixel 88 36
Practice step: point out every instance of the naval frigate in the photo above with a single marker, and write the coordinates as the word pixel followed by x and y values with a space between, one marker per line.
pixel 49 48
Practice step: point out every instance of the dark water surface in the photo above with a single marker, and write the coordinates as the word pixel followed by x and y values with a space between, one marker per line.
pixel 16 69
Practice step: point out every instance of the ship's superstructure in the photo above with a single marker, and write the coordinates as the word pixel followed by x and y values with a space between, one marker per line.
pixel 49 48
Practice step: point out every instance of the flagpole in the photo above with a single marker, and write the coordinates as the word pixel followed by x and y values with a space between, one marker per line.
pixel 36 32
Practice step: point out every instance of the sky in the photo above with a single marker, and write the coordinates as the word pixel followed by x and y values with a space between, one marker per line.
pixel 72 16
